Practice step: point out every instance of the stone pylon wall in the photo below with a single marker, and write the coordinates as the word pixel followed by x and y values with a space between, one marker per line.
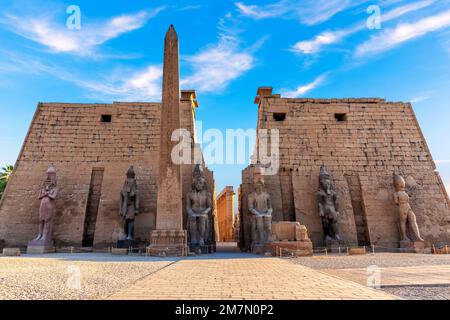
pixel 362 142
pixel 73 137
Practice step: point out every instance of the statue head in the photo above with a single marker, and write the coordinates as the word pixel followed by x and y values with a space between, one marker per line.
pixel 259 186
pixel 199 180
pixel 50 181
pixel 130 185
pixel 325 180
pixel 399 182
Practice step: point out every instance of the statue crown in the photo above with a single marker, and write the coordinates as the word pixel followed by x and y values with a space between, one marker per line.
pixel 131 173
pixel 51 169
pixel 198 171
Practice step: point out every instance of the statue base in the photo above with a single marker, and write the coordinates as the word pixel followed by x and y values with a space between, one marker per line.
pixel 412 246
pixel 201 249
pixel 40 247
pixel 168 243
pixel 333 245
pixel 119 251
pixel 261 249
pixel 126 244
pixel 295 248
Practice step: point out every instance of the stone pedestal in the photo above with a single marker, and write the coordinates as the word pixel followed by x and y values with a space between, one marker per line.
pixel 297 248
pixel 334 245
pixel 357 251
pixel 119 251
pixel 11 252
pixel 198 249
pixel 126 244
pixel 166 243
pixel 40 247
pixel 261 249
pixel 291 236
pixel 287 230
pixel 412 246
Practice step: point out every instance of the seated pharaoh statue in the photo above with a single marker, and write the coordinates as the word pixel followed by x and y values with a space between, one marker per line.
pixel 199 209
pixel 260 206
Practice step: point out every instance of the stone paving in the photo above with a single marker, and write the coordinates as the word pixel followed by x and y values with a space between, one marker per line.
pixel 410 276
pixel 244 278
pixel 400 276
pixel 227 275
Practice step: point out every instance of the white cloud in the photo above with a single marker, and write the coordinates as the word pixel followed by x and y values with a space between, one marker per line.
pixel 309 12
pixel 138 85
pixel 419 99
pixel 58 38
pixel 302 90
pixel 211 69
pixel 315 45
pixel 325 38
pixel 214 67
pixel 143 85
pixel 263 12
pixel 217 65
pixel 442 161
pixel 447 186
pixel 404 32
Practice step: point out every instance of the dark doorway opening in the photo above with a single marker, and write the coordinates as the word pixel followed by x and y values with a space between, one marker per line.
pixel 90 219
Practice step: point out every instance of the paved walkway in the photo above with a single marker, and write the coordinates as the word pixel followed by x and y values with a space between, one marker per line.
pixel 400 276
pixel 244 278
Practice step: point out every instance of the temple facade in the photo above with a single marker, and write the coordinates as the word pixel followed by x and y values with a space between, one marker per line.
pixel 92 146
pixel 362 143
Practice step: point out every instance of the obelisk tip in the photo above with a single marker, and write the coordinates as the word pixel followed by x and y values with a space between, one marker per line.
pixel 171 33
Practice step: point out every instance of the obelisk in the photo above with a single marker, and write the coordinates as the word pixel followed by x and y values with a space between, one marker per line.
pixel 169 238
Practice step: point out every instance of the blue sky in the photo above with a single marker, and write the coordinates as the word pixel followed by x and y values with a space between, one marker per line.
pixel 311 48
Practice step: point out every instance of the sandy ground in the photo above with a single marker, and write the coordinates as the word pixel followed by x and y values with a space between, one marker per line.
pixel 79 276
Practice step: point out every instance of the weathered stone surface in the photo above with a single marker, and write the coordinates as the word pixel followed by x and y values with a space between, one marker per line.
pixel 357 251
pixel 119 251
pixel 414 246
pixel 289 231
pixel 296 248
pixel 11 252
pixel 40 248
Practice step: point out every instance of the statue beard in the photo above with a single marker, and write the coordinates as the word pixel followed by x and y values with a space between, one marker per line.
pixel 326 187
pixel 49 185
pixel 129 188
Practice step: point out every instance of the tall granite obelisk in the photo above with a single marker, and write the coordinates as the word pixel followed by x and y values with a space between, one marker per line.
pixel 169 238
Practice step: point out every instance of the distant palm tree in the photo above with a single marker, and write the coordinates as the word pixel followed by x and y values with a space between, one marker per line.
pixel 6 173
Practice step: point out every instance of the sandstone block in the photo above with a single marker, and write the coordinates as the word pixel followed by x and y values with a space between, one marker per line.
pixel 11 252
